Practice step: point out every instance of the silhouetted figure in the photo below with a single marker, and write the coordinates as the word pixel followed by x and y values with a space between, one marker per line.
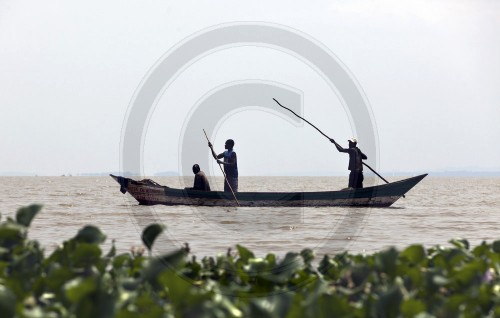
pixel 355 162
pixel 230 163
pixel 200 180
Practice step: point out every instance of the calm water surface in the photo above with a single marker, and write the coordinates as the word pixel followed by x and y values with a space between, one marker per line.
pixel 435 211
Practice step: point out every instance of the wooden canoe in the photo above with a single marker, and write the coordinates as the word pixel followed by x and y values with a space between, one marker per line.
pixel 148 192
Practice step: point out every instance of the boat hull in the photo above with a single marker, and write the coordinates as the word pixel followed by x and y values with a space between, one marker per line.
pixel 148 192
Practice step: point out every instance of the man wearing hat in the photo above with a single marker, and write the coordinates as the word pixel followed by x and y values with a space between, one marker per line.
pixel 355 162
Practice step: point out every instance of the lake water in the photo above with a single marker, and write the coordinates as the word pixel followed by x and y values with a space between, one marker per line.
pixel 435 211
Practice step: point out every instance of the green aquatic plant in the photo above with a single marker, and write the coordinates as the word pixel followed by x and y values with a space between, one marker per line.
pixel 78 280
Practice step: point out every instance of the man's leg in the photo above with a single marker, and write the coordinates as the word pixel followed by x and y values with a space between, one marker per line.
pixel 234 185
pixel 352 180
pixel 360 180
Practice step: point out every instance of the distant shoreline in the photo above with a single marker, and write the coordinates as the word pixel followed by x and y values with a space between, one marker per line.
pixel 334 174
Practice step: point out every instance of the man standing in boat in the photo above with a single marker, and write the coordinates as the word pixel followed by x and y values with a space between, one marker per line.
pixel 355 162
pixel 230 165
pixel 200 180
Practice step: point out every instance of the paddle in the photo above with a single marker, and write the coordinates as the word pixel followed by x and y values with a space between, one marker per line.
pixel 327 137
pixel 225 177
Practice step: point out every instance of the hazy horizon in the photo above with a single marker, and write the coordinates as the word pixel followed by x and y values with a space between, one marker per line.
pixel 451 173
pixel 430 72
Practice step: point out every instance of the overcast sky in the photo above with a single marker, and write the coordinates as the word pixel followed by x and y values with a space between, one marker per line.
pixel 429 69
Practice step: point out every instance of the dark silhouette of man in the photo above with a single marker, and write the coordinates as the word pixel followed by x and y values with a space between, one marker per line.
pixel 355 163
pixel 200 180
pixel 230 163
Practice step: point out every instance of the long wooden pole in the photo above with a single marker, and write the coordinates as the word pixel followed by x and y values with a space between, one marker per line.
pixel 225 177
pixel 327 137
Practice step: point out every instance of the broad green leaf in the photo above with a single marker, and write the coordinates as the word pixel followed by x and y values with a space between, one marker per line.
pixel 150 234
pixel 386 261
pixel 483 249
pixel 412 307
pixel 440 280
pixel 130 284
pixel 307 255
pixel 7 302
pixel 470 273
pixel 79 288
pixel 179 289
pixel 271 306
pixel 414 253
pixel 122 260
pixel 157 265
pixel 26 214
pixel 90 234
pixel 460 243
pixel 496 247
pixel 389 302
pixel 86 255
pixel 359 274
pixel 11 234
pixel 245 254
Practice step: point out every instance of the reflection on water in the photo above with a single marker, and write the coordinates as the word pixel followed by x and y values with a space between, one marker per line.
pixel 437 210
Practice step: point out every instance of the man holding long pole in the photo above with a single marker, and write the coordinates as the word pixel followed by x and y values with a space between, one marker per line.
pixel 355 162
pixel 230 163
pixel 333 141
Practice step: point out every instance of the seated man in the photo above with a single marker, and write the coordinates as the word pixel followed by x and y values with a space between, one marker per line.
pixel 200 180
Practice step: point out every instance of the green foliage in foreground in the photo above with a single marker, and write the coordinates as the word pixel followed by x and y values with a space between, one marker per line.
pixel 77 280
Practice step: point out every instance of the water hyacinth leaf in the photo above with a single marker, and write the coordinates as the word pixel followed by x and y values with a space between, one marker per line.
pixel 307 255
pixel 122 260
pixel 271 259
pixel 288 265
pixel 496 246
pixel 359 274
pixel 245 254
pixel 482 249
pixel 255 266
pixel 178 288
pixel 56 278
pixel 231 309
pixel 453 303
pixel 7 302
pixel 4 252
pixel 86 254
pixel 90 234
pixel 388 304
pixel 276 305
pixel 150 233
pixel 26 214
pixel 414 253
pixel 130 284
pixel 470 272
pixel 112 250
pixel 78 288
pixel 334 306
pixel 157 265
pixel 11 234
pixel 455 257
pixel 440 280
pixel 386 261
pixel 460 243
pixel 412 307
